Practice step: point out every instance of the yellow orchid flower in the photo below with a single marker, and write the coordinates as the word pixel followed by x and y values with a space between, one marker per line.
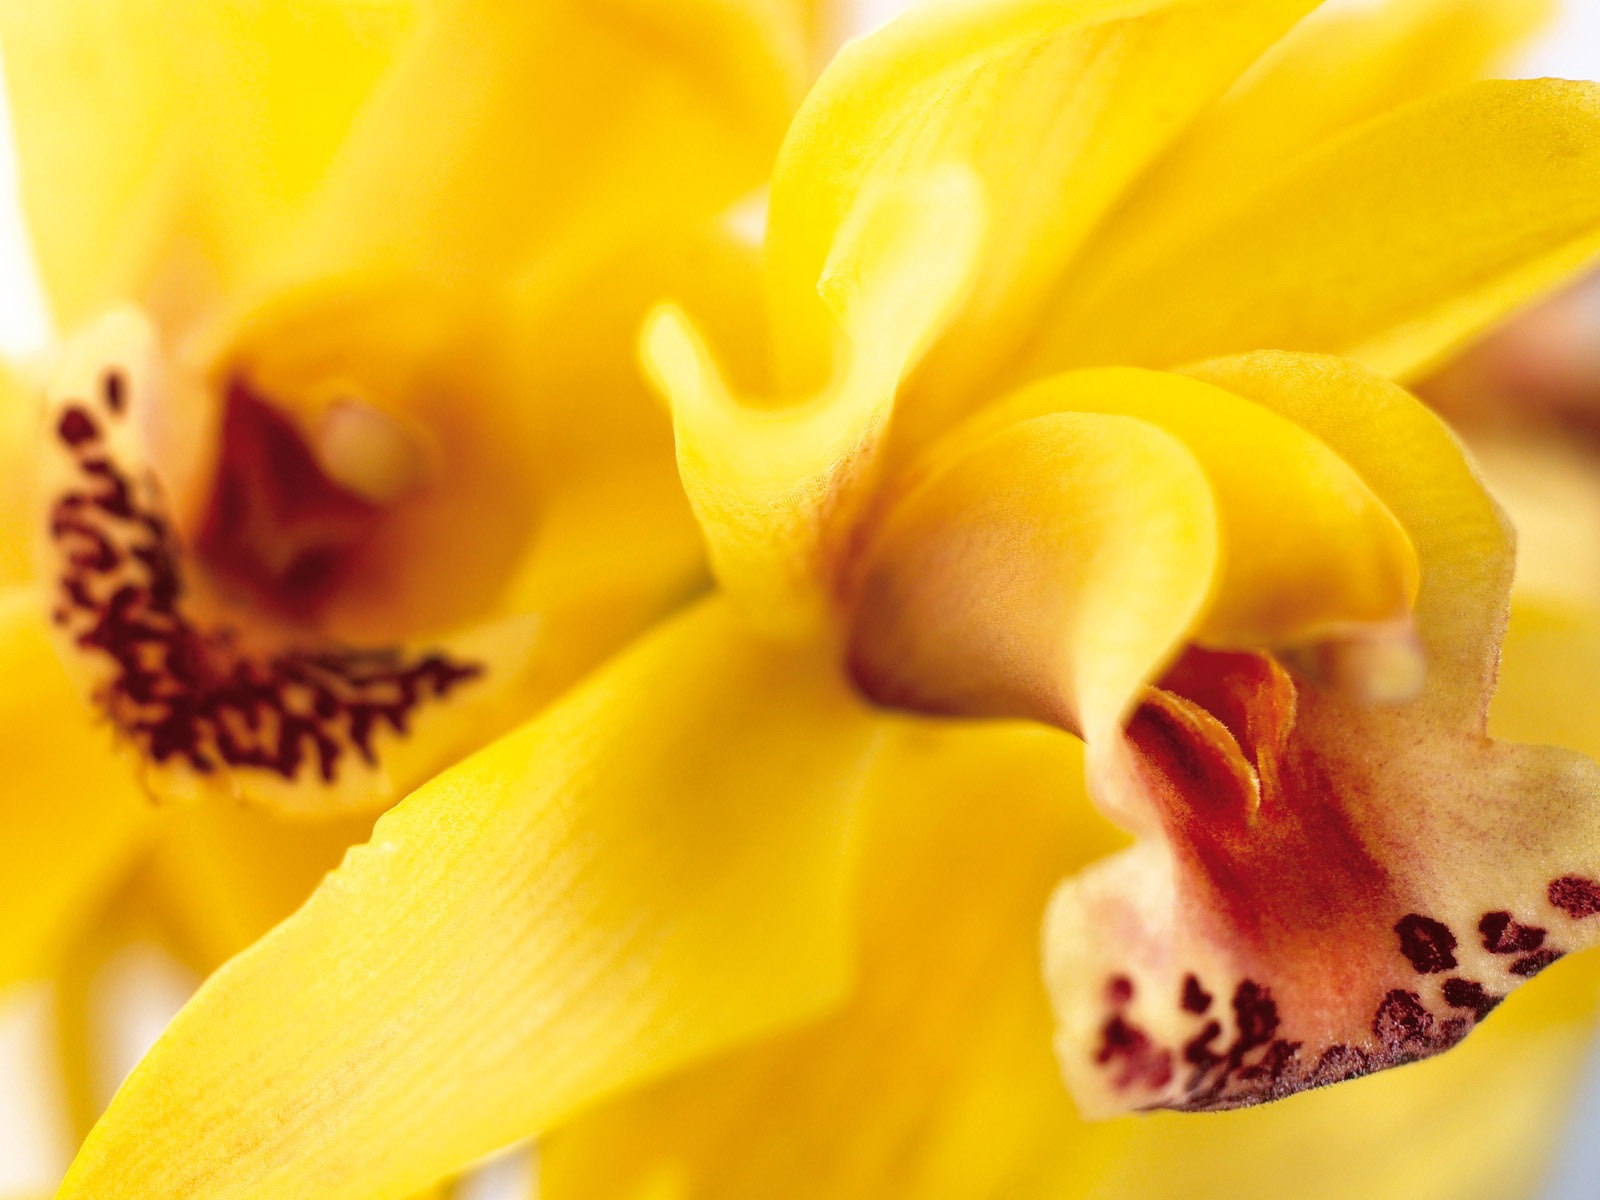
pixel 343 468
pixel 727 928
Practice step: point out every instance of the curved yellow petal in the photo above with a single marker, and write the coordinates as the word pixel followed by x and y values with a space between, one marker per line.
pixel 1308 550
pixel 1048 557
pixel 1055 107
pixel 1046 570
pixel 166 149
pixel 657 868
pixel 73 817
pixel 1391 244
pixel 494 146
pixel 777 486
pixel 935 1079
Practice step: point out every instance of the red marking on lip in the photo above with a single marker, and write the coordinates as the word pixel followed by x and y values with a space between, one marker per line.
pixel 1195 998
pixel 186 693
pixel 1503 935
pixel 1575 895
pixel 1427 944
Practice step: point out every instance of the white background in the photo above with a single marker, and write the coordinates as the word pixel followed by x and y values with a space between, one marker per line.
pixel 32 1154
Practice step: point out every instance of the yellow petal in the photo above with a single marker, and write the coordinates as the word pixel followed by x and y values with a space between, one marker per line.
pixel 1395 875
pixel 1047 570
pixel 1547 673
pixel 657 868
pixel 935 1079
pixel 21 411
pixel 172 146
pixel 777 486
pixel 1056 107
pixel 73 816
pixel 1010 559
pixel 1337 68
pixel 1392 244
pixel 218 876
pixel 492 146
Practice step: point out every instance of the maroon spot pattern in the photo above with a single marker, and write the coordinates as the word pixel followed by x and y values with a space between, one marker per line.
pixel 1576 896
pixel 1258 1065
pixel 1428 944
pixel 187 694
pixel 1503 935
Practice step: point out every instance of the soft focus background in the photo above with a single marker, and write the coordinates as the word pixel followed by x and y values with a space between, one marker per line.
pixel 32 1154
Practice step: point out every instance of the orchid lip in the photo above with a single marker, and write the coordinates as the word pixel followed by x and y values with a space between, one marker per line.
pixel 214 675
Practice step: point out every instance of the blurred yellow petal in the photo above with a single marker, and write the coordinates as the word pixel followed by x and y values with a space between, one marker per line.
pixel 21 411
pixel 657 868
pixel 1391 244
pixel 73 816
pixel 1337 68
pixel 1395 874
pixel 777 485
pixel 1056 107
pixel 218 876
pixel 1548 671
pixel 511 136
pixel 936 1079
pixel 172 146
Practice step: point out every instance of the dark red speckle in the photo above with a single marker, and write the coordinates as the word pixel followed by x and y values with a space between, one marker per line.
pixel 114 391
pixel 77 427
pixel 1427 944
pixel 1576 896
pixel 1468 993
pixel 1531 964
pixel 1135 1058
pixel 1503 935
pixel 186 693
pixel 1119 990
pixel 1195 998
pixel 1402 1024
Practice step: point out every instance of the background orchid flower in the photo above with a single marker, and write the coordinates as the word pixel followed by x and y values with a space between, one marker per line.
pixel 1265 590
pixel 344 467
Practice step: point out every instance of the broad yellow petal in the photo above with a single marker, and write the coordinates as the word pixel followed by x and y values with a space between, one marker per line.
pixel 935 1079
pixel 1337 68
pixel 166 149
pixel 73 817
pixel 515 136
pixel 1055 107
pixel 657 868
pixel 1337 886
pixel 1391 244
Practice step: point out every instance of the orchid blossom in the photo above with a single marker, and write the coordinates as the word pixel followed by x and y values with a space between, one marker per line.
pixel 1066 481
pixel 342 468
